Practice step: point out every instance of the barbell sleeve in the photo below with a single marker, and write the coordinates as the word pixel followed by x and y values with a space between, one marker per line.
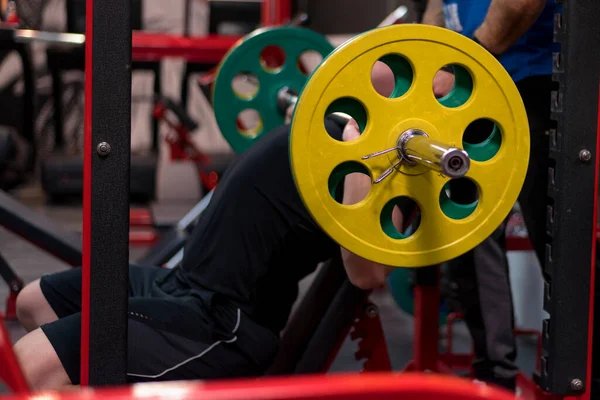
pixel 416 147
pixel 286 97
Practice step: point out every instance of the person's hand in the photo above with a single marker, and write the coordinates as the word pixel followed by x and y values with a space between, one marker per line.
pixel 442 83
pixel 351 131
pixel 383 79
pixel 356 185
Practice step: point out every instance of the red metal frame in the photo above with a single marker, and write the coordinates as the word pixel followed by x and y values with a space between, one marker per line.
pixel 184 148
pixel 141 217
pixel 276 12
pixel 426 337
pixel 87 198
pixel 372 347
pixel 380 386
pixel 456 361
pixel 208 49
pixel 10 371
pixel 142 231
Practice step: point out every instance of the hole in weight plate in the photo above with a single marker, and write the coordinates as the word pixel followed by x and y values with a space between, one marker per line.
pixel 392 76
pixel 340 111
pixel 308 61
pixel 349 179
pixel 482 139
pixel 249 123
pixel 453 85
pixel 272 59
pixel 245 85
pixel 459 198
pixel 400 217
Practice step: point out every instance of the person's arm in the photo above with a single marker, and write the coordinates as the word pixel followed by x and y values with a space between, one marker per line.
pixel 507 21
pixel 434 13
pixel 363 273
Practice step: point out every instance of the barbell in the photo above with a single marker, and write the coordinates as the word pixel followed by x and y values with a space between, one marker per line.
pixel 414 147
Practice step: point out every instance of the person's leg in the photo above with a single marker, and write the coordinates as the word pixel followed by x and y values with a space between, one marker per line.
pixel 51 297
pixel 40 363
pixel 172 341
pixel 536 93
pixel 59 295
pixel 49 355
pixel 167 340
pixel 33 309
pixel 481 288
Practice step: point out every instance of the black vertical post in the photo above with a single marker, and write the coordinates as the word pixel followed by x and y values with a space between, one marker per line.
pixel 569 262
pixel 106 192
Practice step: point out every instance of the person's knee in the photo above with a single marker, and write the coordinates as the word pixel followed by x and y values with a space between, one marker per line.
pixel 32 308
pixel 40 363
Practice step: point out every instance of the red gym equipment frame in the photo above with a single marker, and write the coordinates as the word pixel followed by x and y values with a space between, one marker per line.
pixel 276 12
pixel 208 49
pixel 382 386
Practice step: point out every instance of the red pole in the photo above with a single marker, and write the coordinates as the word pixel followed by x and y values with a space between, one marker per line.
pixel 268 12
pixel 276 12
pixel 10 370
pixel 427 310
pixel 284 11
pixel 87 200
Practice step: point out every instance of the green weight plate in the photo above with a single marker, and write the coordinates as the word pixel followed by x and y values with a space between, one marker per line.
pixel 400 286
pixel 245 58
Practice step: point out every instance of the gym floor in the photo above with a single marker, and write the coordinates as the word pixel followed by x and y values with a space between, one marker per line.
pixel 30 263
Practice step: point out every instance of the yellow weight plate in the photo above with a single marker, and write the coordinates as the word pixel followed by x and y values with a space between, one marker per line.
pixel 484 91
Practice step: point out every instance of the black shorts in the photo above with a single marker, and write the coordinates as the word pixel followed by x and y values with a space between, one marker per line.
pixel 168 338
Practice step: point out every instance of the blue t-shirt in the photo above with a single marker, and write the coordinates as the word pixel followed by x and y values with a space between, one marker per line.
pixel 530 55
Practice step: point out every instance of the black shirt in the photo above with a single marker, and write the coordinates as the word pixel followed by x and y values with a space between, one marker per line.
pixel 256 240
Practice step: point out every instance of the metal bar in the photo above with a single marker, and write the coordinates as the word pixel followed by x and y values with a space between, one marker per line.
pixel 147 46
pixel 286 97
pixel 55 38
pixel 416 147
pixel 398 16
pixel 306 319
pixel 7 274
pixel 332 329
pixel 107 152
pixel 39 230
pixel 189 218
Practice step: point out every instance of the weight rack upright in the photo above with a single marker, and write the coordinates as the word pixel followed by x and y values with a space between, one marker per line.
pixel 107 151
pixel 570 261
